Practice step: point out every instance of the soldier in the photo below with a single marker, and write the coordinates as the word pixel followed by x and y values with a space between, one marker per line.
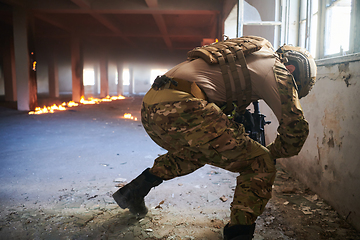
pixel 188 112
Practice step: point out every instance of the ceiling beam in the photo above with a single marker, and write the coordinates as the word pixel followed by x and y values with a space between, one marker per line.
pixel 160 22
pixel 127 11
pixel 227 7
pixel 152 3
pixel 53 22
pixel 142 35
pixel 14 3
pixel 84 4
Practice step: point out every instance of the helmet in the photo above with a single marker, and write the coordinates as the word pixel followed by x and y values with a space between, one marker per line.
pixel 305 67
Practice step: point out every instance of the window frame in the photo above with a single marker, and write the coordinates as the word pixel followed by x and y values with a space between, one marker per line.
pixel 321 23
pixel 278 24
pixel 289 13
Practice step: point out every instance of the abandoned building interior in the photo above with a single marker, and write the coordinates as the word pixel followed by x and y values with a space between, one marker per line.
pixel 75 50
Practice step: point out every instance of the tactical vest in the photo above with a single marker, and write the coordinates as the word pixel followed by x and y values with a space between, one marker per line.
pixel 228 53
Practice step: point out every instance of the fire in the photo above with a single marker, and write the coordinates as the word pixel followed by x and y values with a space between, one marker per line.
pixel 50 109
pixel 97 100
pixel 128 116
pixel 70 104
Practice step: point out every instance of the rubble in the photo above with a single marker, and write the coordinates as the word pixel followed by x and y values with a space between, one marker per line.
pixel 223 198
pixel 192 212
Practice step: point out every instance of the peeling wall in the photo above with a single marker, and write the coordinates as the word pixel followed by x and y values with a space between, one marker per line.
pixel 329 162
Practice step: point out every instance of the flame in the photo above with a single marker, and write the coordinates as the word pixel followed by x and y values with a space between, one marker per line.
pixel 97 100
pixel 64 105
pixel 128 116
pixel 50 109
pixel 34 66
pixel 89 101
pixel 71 104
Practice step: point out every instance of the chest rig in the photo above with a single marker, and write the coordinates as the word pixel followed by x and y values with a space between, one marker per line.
pixel 227 54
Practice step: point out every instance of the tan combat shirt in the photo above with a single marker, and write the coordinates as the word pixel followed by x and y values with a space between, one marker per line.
pixel 210 80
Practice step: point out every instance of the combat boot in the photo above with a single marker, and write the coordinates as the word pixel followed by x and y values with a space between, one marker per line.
pixel 132 195
pixel 239 232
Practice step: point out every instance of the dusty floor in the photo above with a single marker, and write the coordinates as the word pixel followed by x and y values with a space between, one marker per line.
pixel 58 172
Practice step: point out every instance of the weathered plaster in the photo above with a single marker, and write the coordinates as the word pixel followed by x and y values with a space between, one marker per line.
pixel 329 162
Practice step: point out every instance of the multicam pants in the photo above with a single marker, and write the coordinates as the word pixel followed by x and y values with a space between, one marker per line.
pixel 196 133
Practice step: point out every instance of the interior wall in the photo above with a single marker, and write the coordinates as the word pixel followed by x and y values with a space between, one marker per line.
pixel 329 162
pixel 256 11
pixel 266 9
pixel 230 24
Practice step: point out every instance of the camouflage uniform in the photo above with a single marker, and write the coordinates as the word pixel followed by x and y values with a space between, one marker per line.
pixel 196 132
pixel 293 128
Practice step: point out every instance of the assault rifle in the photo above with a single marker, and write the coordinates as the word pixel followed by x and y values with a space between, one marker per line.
pixel 254 123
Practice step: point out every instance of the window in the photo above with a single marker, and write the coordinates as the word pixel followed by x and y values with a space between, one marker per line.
pixel 89 76
pixel 260 18
pixel 304 24
pixel 337 26
pixel 126 77
pixel 325 27
pixel 313 27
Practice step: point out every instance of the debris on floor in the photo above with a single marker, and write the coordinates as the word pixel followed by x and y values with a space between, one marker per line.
pixel 294 212
pixel 64 190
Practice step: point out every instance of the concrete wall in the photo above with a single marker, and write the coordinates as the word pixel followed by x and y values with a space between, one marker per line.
pixel 329 162
pixel 230 24
pixel 257 11
pixel 65 83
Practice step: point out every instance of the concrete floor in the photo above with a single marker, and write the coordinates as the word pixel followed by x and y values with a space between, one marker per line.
pixel 58 172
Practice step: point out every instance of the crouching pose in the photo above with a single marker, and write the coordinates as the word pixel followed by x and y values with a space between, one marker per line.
pixel 188 112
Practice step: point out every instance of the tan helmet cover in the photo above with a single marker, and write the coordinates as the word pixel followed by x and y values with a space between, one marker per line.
pixel 305 67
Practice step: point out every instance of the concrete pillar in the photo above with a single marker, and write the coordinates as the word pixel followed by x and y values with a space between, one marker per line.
pixel 131 85
pixel 120 87
pixel 77 66
pixel 97 80
pixel 24 60
pixel 9 70
pixel 104 79
pixel 33 65
pixel 53 74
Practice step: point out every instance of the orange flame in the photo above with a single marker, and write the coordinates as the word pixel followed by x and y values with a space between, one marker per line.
pixel 64 105
pixel 128 116
pixel 97 100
